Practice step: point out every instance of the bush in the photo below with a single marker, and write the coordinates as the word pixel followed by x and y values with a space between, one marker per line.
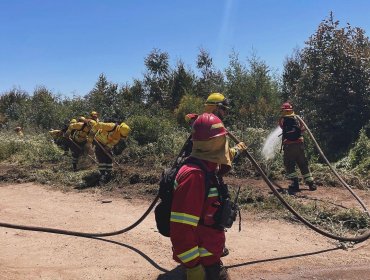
pixel 359 155
pixel 28 150
pixel 188 104
pixel 160 152
pixel 146 129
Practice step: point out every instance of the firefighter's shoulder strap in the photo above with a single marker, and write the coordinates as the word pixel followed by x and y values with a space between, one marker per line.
pixel 83 126
pixel 114 128
pixel 291 128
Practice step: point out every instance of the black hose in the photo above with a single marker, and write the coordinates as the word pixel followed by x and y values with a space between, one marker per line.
pixel 356 239
pixel 84 234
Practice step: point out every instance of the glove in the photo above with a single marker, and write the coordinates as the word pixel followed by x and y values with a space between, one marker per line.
pixel 195 273
pixel 190 118
pixel 237 150
pixel 241 147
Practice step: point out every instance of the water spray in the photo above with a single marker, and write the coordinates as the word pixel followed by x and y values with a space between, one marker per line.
pixel 272 144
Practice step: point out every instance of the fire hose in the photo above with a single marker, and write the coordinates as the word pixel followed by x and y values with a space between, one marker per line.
pixel 356 239
pixel 94 235
pixel 85 234
pixel 108 154
pixel 331 167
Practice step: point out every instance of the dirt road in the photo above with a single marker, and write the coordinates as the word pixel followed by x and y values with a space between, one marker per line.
pixel 264 249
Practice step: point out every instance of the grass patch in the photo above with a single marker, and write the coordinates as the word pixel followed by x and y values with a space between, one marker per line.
pixel 324 215
pixel 336 220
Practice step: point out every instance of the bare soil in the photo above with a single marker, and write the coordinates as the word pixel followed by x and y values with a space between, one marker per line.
pixel 264 249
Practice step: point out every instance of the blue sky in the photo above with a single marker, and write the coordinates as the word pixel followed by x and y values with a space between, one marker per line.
pixel 65 45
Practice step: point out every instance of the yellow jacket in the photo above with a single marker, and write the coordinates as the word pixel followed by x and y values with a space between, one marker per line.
pixel 109 134
pixel 81 131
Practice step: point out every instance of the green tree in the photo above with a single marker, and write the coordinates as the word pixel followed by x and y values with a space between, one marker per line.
pixel 72 109
pixel 44 108
pixel 189 104
pixel 12 104
pixel 104 99
pixel 329 81
pixel 133 93
pixel 157 78
pixel 253 92
pixel 211 80
pixel 183 83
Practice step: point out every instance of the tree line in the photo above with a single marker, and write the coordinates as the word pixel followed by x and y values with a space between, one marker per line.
pixel 327 81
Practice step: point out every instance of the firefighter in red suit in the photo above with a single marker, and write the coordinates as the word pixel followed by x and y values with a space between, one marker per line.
pixel 293 147
pixel 196 238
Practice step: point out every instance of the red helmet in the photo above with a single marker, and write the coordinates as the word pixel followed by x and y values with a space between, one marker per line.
pixel 207 126
pixel 286 107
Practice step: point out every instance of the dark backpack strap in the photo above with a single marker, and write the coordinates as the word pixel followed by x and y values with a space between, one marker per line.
pixel 83 127
pixel 291 128
pixel 113 129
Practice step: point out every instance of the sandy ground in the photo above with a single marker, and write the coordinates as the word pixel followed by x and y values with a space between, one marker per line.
pixel 264 249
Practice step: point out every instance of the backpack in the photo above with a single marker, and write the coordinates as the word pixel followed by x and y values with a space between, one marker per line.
pixel 163 210
pixel 291 129
pixel 76 132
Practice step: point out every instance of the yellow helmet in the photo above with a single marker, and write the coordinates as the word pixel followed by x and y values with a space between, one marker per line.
pixel 217 99
pixel 94 114
pixel 91 123
pixel 81 119
pixel 124 129
pixel 72 121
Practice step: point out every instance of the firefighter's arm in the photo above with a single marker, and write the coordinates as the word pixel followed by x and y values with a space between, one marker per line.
pixel 105 127
pixel 186 211
pixel 72 127
pixel 281 121
pixel 190 118
pixel 237 149
pixel 301 126
pixel 55 133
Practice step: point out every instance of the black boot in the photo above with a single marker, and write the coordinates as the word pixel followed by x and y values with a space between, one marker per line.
pixel 216 272
pixel 102 176
pixel 312 186
pixel 74 167
pixel 293 187
pixel 107 176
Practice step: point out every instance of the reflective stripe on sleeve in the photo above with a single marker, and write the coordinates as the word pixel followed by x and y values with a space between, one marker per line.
pixel 184 218
pixel 213 192
pixel 175 184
